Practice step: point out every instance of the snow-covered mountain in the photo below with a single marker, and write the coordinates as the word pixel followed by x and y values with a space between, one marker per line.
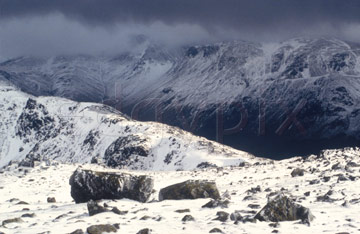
pixel 318 79
pixel 69 131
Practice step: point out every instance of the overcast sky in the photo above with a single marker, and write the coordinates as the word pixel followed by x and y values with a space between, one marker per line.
pixel 47 27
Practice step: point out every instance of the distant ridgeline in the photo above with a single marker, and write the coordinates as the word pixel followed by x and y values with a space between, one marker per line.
pixel 275 101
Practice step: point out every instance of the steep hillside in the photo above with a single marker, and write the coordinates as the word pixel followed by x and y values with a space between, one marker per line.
pixel 207 88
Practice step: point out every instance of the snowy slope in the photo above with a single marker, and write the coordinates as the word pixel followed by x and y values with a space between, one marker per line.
pixel 57 128
pixel 338 213
pixel 191 84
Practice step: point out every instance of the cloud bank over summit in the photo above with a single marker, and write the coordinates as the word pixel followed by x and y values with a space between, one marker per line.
pixel 42 27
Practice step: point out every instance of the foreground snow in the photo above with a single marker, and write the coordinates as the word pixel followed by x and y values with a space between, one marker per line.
pixel 35 185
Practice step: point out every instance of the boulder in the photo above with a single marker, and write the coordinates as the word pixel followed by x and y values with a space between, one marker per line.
pixel 191 189
pixel 282 208
pixel 89 185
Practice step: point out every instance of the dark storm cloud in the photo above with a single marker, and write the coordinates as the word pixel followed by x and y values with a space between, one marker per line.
pixel 233 14
pixel 50 27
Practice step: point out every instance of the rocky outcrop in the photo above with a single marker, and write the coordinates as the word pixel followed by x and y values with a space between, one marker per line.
pixel 282 208
pixel 87 185
pixel 191 189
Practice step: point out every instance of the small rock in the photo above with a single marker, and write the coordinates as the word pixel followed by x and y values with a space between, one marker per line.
pixel 326 178
pixel 315 181
pixel 182 211
pixel 222 216
pixel 324 198
pixel 297 172
pixel 144 231
pixel 146 217
pixel 51 200
pixel 216 203
pixel 28 215
pixel 22 203
pixel 274 225
pixel 187 218
pixel 307 193
pixel 94 208
pixel 101 228
pixel 77 231
pixel 119 212
pixel 13 220
pixel 235 216
pixel 336 166
pixel 215 230
pixel 254 206
pixel 254 189
pixel 341 177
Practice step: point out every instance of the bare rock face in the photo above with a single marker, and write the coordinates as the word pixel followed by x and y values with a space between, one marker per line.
pixel 89 185
pixel 191 189
pixel 281 208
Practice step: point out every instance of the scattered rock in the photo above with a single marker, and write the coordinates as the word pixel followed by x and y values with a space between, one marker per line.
pixel 215 230
pixel 77 231
pixel 254 206
pixel 336 166
pixel 297 172
pixel 87 185
pixel 274 225
pixel 191 189
pixel 144 231
pixel 307 193
pixel 217 203
pixel 315 181
pixel 326 178
pixel 146 217
pixel 28 215
pixel 101 228
pixel 22 203
pixel 119 212
pixel 182 211
pixel 341 177
pixel 236 216
pixel 51 200
pixel 281 208
pixel 187 218
pixel 254 189
pixel 222 216
pixel 94 208
pixel 13 220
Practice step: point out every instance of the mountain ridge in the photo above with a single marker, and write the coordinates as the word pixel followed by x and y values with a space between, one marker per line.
pixel 199 82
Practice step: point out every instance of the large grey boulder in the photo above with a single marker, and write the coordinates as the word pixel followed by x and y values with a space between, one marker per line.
pixel 282 208
pixel 89 185
pixel 190 189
